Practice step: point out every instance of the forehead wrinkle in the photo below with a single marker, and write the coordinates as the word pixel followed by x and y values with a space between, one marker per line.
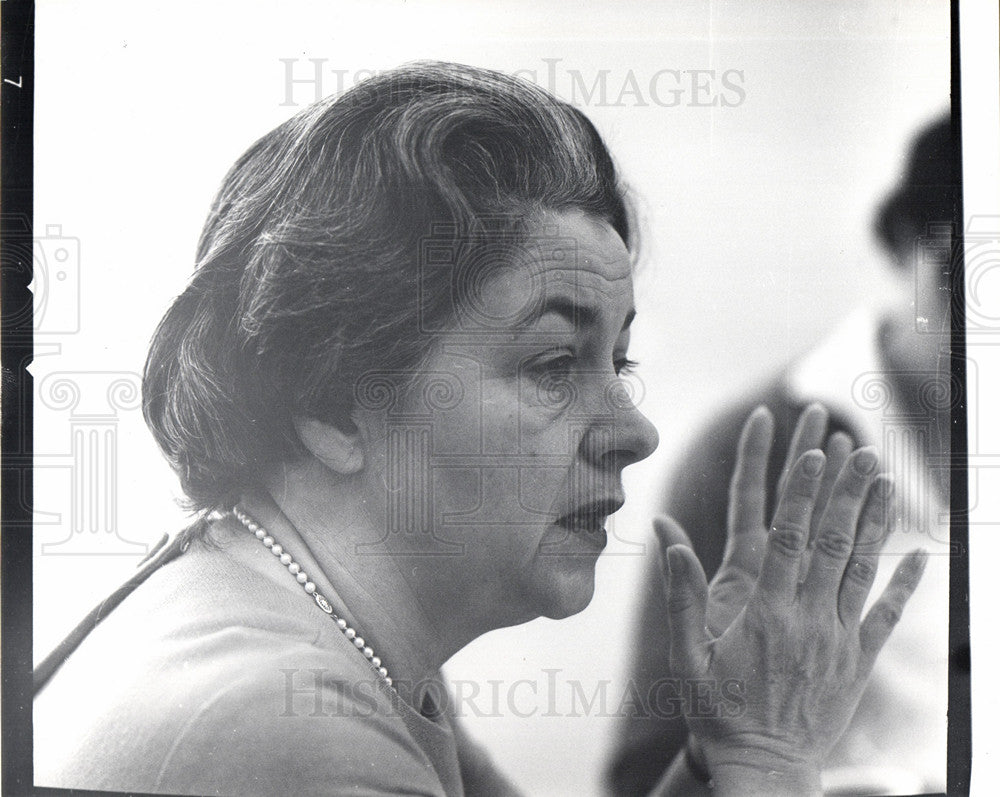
pixel 608 260
pixel 576 313
pixel 580 294
pixel 592 287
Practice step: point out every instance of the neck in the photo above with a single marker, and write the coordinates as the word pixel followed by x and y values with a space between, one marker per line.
pixel 920 363
pixel 918 343
pixel 392 598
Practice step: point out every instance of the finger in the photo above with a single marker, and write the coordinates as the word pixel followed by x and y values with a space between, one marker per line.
pixel 837 530
pixel 859 574
pixel 884 615
pixel 748 487
pixel 837 450
pixel 669 532
pixel 687 598
pixel 779 574
pixel 810 431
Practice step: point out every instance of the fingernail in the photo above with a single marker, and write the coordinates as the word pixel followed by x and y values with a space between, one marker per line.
pixel 816 407
pixel 865 461
pixel 675 560
pixel 841 439
pixel 885 486
pixel 813 461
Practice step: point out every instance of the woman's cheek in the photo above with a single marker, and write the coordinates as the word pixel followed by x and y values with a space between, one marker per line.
pixel 515 412
pixel 548 398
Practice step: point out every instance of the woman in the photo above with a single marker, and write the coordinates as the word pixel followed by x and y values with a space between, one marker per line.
pixel 393 388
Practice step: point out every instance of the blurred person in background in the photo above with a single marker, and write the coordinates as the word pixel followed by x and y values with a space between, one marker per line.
pixel 884 379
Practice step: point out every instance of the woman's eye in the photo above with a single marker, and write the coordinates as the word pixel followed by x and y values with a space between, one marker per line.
pixel 550 368
pixel 625 366
pixel 558 365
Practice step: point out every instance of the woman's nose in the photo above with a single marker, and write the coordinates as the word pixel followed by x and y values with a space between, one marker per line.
pixel 621 434
pixel 637 438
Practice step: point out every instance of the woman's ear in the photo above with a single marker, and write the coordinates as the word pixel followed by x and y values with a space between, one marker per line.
pixel 340 451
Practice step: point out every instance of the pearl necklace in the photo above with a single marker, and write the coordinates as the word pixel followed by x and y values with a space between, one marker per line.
pixel 296 570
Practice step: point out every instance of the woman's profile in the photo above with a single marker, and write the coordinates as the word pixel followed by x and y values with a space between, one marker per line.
pixel 393 393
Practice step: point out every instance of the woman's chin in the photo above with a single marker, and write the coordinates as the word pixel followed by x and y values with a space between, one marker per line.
pixel 566 592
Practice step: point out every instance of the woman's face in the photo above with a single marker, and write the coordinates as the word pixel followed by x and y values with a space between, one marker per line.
pixel 502 459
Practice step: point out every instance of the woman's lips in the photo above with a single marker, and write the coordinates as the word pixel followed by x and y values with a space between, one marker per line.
pixel 582 532
pixel 590 531
pixel 587 524
pixel 591 514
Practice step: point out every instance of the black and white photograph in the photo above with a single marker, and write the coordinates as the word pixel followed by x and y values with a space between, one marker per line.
pixel 512 398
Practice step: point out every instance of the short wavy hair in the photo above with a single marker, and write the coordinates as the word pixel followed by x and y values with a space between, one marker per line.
pixel 308 269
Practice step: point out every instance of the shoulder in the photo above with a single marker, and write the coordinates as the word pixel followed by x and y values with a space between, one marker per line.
pixel 293 724
pixel 190 687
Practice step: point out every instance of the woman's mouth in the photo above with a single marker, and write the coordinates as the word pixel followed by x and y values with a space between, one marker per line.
pixel 587 523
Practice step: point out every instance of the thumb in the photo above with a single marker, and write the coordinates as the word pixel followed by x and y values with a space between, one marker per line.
pixel 687 597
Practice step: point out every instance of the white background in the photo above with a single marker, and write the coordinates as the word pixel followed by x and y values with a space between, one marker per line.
pixel 757 234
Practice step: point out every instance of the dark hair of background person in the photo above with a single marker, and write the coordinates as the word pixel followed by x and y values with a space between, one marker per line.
pixel 309 272
pixel 927 193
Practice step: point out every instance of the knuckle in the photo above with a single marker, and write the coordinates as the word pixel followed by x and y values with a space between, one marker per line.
pixel 888 613
pixel 680 603
pixel 787 540
pixel 861 571
pixel 835 543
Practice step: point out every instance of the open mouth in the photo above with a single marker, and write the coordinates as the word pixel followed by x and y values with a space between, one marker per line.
pixel 588 521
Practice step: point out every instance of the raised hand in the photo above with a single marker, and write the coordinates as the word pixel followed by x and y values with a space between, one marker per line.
pixel 746 525
pixel 798 644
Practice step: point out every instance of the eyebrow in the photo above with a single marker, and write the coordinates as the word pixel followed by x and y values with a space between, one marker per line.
pixel 572 311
